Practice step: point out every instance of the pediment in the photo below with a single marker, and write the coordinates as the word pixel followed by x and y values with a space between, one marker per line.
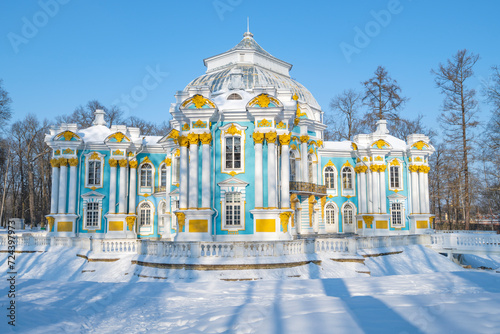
pixel 233 182
pixel 93 194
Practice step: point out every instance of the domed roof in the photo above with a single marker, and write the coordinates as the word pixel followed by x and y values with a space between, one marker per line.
pixel 262 71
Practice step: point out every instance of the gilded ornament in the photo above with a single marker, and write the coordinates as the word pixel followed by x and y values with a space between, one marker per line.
pixel 123 163
pixel 68 151
pixel 418 159
pixel 311 151
pixel 68 135
pixel 130 154
pixel 312 201
pixel 199 124
pixel 271 137
pixel 378 168
pixel 63 162
pixel 368 221
pixel 304 138
pixel 93 187
pixel 413 168
pixel 73 162
pixel 206 138
pixel 199 101
pixel 174 134
pixel 329 163
pixel 420 145
pixel 347 164
pixel 323 203
pixel 285 139
pixel 365 159
pixel 183 141
pixel 296 121
pixel 146 159
pixel 409 159
pixel 50 221
pixel 177 153
pixel 379 158
pixel 361 169
pixel 284 217
pixel 133 163
pixel 258 137
pixel 264 124
pixel 168 162
pixel 380 143
pixel 130 222
pixel 118 152
pixel 320 143
pixel 54 162
pixel 424 169
pixel 185 127
pixel 193 138
pixel 281 125
pixel 295 97
pixel 354 146
pixel 232 173
pixel 57 152
pixel 118 136
pixel 299 112
pixel 113 162
pixel 232 130
pixel 395 162
pixel 263 100
pixel 181 220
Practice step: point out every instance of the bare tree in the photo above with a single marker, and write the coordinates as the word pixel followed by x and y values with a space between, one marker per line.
pixel 84 116
pixel 382 96
pixel 344 122
pixel 5 111
pixel 459 109
pixel 403 127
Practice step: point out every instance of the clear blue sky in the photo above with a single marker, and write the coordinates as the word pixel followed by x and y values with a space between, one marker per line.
pixel 102 50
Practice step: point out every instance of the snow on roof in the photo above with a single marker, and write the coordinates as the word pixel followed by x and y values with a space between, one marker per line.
pixel 338 145
pixel 95 133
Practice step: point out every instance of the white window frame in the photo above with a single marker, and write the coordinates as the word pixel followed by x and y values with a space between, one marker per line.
pixel 162 215
pixel 146 189
pixel 87 170
pixel 140 217
pixel 176 169
pixel 333 177
pixel 237 216
pixel 330 212
pixel 351 174
pixel 92 197
pixel 399 168
pixel 353 217
pixel 163 175
pixel 95 210
pixel 233 185
pixel 241 136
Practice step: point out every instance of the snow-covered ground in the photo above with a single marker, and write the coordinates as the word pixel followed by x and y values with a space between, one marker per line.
pixel 413 291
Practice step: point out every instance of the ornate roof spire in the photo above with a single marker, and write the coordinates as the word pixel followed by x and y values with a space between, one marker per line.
pixel 248 33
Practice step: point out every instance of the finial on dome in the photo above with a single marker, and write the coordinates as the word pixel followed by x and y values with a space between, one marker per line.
pixel 248 33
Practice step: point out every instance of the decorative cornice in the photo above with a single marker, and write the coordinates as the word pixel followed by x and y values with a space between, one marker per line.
pixel 232 130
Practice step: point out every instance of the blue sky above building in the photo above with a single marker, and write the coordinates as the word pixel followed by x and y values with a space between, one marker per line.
pixel 56 55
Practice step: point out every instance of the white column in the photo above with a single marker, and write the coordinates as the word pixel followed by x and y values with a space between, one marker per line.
pixel 73 163
pixel 112 185
pixel 369 191
pixel 55 186
pixel 360 195
pixel 271 174
pixel 133 187
pixel 285 174
pixel 315 173
pixel 205 176
pixel 122 200
pixel 304 162
pixel 426 193
pixel 421 192
pixel 363 192
pixel 183 186
pixel 376 192
pixel 193 174
pixel 63 185
pixel 383 198
pixel 259 195
pixel 415 203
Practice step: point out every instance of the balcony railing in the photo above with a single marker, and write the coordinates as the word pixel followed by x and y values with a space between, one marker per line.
pixel 305 187
pixel 160 189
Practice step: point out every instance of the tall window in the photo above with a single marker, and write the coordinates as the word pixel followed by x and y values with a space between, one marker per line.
pixel 163 175
pixel 330 177
pixel 397 214
pixel 292 167
pixel 94 173
pixel 146 175
pixel 176 175
pixel 233 209
pixel 92 215
pixel 395 177
pixel 310 168
pixel 330 214
pixel 233 152
pixel 145 214
pixel 347 182
pixel 348 214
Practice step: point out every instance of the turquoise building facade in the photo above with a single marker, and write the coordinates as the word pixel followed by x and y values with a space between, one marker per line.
pixel 245 160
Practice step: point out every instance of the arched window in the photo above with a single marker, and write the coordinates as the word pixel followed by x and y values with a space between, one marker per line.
pixel 330 177
pixel 146 175
pixel 292 167
pixel 330 214
pixel 145 211
pixel 347 182
pixel 310 168
pixel 163 175
pixel 234 96
pixel 348 214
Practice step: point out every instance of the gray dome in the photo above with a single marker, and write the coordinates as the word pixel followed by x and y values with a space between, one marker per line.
pixel 253 76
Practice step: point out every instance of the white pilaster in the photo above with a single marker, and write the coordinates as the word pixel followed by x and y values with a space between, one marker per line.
pixel 285 176
pixel 112 187
pixel 376 192
pixel 55 187
pixel 369 191
pixel 193 175
pixel 72 188
pixel 205 177
pixel 415 200
pixel 426 193
pixel 304 163
pixel 362 195
pixel 63 185
pixel 259 203
pixel 360 198
pixel 122 200
pixel 183 186
pixel 421 192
